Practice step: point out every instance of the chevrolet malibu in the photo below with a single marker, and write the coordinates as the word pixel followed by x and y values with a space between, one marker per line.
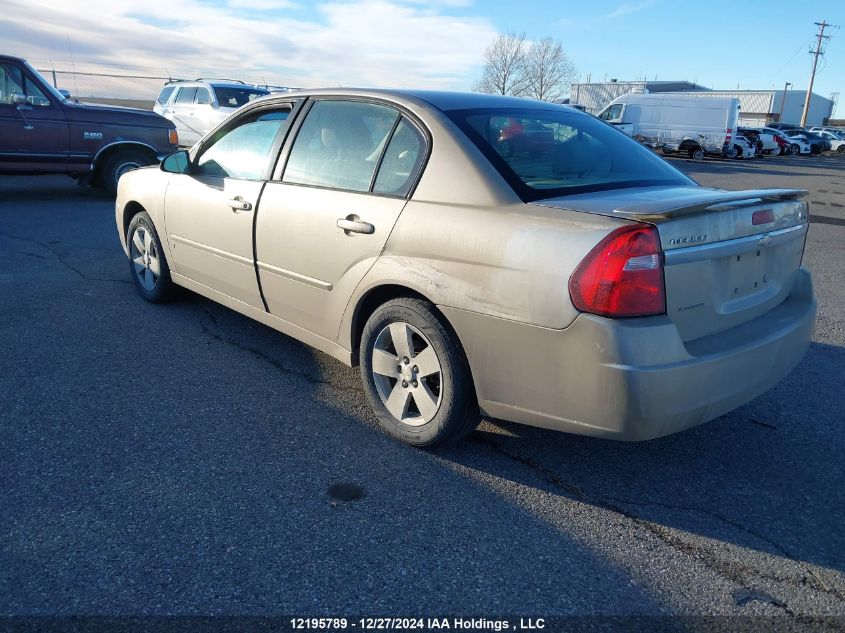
pixel 580 284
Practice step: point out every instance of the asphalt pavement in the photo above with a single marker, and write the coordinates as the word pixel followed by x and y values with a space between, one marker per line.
pixel 183 459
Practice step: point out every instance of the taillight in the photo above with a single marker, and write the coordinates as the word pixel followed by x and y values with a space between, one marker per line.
pixel 622 276
pixel 728 133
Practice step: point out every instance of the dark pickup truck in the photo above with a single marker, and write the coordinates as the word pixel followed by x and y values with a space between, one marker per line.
pixel 42 131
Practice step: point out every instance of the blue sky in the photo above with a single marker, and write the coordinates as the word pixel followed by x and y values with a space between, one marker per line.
pixel 436 43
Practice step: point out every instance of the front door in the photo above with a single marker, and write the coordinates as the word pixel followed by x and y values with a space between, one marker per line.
pixel 209 211
pixel 323 224
pixel 33 134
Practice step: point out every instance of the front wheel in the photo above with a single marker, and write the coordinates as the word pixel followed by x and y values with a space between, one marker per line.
pixel 147 263
pixel 416 375
pixel 794 149
pixel 840 149
pixel 696 153
pixel 120 163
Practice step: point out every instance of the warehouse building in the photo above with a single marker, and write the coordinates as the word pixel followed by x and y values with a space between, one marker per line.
pixel 757 107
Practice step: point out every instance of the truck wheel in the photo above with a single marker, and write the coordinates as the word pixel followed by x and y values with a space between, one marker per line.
pixel 416 375
pixel 121 162
pixel 696 153
pixel 147 263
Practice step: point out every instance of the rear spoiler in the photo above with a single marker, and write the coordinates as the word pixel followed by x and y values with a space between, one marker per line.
pixel 708 201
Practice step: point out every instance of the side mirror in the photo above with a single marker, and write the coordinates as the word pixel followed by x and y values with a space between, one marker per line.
pixel 18 98
pixel 65 93
pixel 177 163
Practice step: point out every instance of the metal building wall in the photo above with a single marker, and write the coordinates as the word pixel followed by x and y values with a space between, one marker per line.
pixel 595 96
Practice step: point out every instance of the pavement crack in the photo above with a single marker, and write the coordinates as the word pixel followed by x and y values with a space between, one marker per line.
pixel 737 574
pixel 59 257
pixel 257 353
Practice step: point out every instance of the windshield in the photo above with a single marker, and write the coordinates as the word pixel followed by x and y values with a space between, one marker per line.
pixel 549 153
pixel 236 97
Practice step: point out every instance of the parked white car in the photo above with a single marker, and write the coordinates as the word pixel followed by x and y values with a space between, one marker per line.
pixel 195 107
pixel 837 141
pixel 797 141
pixel 743 148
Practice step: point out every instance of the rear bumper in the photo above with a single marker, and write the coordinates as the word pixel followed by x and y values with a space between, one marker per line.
pixel 630 379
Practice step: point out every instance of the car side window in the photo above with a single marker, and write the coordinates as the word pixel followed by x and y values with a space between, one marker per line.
pixel 203 96
pixel 34 94
pixel 339 145
pixel 401 162
pixel 186 95
pixel 243 152
pixel 11 82
pixel 612 113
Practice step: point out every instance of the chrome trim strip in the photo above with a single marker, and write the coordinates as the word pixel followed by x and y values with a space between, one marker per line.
pixel 289 274
pixel 214 251
pixel 732 247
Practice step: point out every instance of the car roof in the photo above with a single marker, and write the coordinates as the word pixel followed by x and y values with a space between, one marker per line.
pixel 212 83
pixel 440 100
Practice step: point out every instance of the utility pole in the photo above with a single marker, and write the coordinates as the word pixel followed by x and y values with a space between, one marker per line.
pixel 819 38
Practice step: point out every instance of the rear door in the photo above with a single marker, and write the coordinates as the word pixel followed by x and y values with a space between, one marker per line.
pixel 183 116
pixel 325 220
pixel 209 213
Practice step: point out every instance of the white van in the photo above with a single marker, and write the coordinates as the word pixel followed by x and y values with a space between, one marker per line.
pixel 677 123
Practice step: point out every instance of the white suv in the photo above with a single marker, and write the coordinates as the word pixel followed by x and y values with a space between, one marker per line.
pixel 195 107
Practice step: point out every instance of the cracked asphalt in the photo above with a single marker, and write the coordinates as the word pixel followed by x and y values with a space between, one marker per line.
pixel 178 460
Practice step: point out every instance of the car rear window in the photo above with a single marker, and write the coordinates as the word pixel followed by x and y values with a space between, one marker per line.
pixel 236 97
pixel 554 152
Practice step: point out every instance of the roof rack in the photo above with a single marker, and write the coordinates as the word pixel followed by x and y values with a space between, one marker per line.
pixel 236 81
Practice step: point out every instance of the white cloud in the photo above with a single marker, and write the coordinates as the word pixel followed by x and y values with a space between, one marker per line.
pixel 632 6
pixel 360 42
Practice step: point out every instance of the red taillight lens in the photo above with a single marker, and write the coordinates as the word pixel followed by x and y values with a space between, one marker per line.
pixel 622 276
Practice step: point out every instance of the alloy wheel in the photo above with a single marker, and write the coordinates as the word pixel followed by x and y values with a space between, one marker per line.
pixel 407 373
pixel 142 250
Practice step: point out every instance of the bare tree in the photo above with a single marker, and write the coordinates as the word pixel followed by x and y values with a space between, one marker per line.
pixel 504 66
pixel 548 71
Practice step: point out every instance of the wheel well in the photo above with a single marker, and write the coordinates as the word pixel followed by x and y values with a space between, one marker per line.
pixel 687 145
pixel 107 153
pixel 369 303
pixel 130 211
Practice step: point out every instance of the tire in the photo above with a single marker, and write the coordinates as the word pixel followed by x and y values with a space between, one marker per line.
pixel 119 163
pixel 432 409
pixel 794 149
pixel 145 257
pixel 696 153
pixel 731 152
pixel 840 149
pixel 737 153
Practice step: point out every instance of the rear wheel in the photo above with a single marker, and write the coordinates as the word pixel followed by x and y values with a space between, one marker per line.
pixel 121 162
pixel 794 149
pixel 415 374
pixel 696 153
pixel 731 152
pixel 840 149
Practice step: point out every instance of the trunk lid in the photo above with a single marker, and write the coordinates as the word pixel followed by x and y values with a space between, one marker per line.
pixel 730 256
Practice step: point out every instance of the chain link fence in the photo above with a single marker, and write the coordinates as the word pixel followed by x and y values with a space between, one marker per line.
pixel 138 86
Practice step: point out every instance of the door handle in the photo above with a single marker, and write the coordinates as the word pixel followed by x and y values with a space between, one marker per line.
pixel 239 204
pixel 354 224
